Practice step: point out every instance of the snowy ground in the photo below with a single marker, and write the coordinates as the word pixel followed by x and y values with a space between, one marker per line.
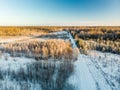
pixel 60 34
pixel 13 64
pixel 95 71
pixel 12 39
pixel 109 65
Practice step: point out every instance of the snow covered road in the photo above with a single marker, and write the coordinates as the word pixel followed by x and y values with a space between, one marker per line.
pixel 86 76
pixel 81 76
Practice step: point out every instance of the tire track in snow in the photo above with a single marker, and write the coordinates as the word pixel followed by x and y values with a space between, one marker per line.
pixel 97 75
pixel 104 75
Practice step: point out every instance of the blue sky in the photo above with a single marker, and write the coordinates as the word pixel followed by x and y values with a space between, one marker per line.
pixel 59 12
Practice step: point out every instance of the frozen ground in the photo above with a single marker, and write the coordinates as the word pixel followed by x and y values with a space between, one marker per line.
pixel 13 64
pixel 88 76
pixel 12 39
pixel 95 71
pixel 109 65
pixel 9 39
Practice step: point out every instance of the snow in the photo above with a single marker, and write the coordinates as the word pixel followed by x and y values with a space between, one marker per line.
pixel 14 64
pixel 55 73
pixel 13 85
pixel 97 76
pixel 81 78
pixel 67 34
pixel 6 60
pixel 109 65
pixel 12 39
pixel 105 55
pixel 21 39
pixel 95 71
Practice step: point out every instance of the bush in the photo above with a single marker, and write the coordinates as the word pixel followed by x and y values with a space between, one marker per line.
pixel 55 49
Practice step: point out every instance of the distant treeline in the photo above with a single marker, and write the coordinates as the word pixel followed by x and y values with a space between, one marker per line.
pixel 23 31
pixel 32 30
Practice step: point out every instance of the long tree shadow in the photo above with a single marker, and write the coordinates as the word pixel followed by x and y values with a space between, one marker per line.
pixel 39 72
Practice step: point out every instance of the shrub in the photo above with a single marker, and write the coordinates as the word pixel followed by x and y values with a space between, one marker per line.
pixel 56 49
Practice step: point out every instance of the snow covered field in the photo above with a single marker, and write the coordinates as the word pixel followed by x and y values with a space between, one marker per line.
pixel 109 65
pixel 95 71
pixel 20 73
pixel 12 39
pixel 10 65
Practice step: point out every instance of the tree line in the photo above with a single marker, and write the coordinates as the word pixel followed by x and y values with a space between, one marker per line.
pixel 101 39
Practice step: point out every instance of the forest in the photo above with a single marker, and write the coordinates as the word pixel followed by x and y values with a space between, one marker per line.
pixel 59 58
pixel 102 39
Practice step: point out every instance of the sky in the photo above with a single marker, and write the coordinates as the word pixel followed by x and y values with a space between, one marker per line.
pixel 60 12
